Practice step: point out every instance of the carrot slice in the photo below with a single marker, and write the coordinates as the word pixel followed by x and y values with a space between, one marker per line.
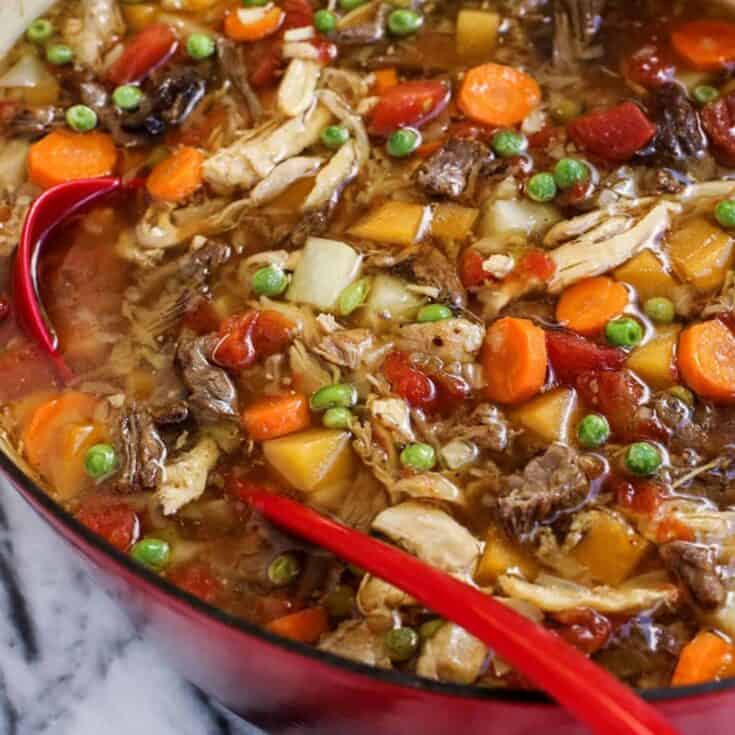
pixel 705 44
pixel 514 360
pixel 252 24
pixel 65 156
pixel 703 659
pixel 498 95
pixel 276 416
pixel 306 626
pixel 178 176
pixel 706 358
pixel 587 306
pixel 384 80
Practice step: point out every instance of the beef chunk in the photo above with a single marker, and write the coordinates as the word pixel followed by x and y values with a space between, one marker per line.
pixel 447 173
pixel 680 135
pixel 143 450
pixel 718 119
pixel 363 34
pixel 550 485
pixel 32 122
pixel 171 414
pixel 212 392
pixel 430 267
pixel 178 94
pixel 694 566
pixel 486 427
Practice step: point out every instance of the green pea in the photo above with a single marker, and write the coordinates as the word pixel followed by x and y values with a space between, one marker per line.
pixel 430 628
pixel 351 4
pixel 419 457
pixel 325 21
pixel 335 136
pixel 623 332
pixel 509 143
pixel 128 97
pixel 404 22
pixel 81 118
pixel 100 461
pixel 59 54
pixel 339 395
pixel 725 213
pixel 565 109
pixel 683 394
pixel 642 458
pixel 403 142
pixel 255 3
pixel 569 172
pixel 284 569
pixel 270 281
pixel 703 94
pixel 593 431
pixel 434 313
pixel 340 601
pixel 353 296
pixel 541 187
pixel 200 46
pixel 337 417
pixel 40 31
pixel 401 644
pixel 660 309
pixel 154 553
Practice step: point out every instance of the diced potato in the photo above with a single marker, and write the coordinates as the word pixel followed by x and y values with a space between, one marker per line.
pixel 453 221
pixel 401 223
pixel 648 276
pixel 520 216
pixel 140 16
pixel 312 460
pixel 501 556
pixel 610 550
pixel 549 416
pixel 325 269
pixel 701 253
pixel 389 302
pixel 654 362
pixel 477 34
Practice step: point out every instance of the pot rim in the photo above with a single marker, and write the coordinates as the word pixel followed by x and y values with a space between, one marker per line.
pixel 386 676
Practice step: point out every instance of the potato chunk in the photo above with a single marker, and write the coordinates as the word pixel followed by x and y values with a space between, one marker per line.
pixel 312 460
pixel 502 556
pixel 701 252
pixel 401 223
pixel 648 276
pixel 654 361
pixel 477 34
pixel 549 416
pixel 453 221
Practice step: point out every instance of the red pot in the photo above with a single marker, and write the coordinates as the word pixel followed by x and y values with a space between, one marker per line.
pixel 290 688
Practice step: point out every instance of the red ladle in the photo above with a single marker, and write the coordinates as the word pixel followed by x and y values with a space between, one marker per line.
pixel 54 207
pixel 593 696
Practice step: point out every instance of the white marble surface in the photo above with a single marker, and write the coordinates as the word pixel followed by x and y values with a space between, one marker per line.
pixel 71 663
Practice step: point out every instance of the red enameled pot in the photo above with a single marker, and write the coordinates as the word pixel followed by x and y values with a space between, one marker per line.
pixel 290 688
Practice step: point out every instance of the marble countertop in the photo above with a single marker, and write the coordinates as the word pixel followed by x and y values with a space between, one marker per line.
pixel 71 663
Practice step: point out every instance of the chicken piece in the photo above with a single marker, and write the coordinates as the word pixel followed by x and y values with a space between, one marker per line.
pixel 451 340
pixel 395 415
pixel 377 599
pixel 93 34
pixel 185 479
pixel 296 91
pixel 355 640
pixel 332 179
pixel 486 427
pixel 346 347
pixel 430 485
pixel 281 177
pixel 452 655
pixel 556 595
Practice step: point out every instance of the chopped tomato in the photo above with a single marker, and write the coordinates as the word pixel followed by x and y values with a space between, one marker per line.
pixel 408 382
pixel 650 66
pixel 272 333
pixel 202 318
pixel 147 51
pixel 537 264
pixel 584 628
pixel 571 355
pixel 326 50
pixel 117 524
pixel 450 389
pixel 198 580
pixel 672 529
pixel 299 13
pixel 248 337
pixel 265 61
pixel 615 134
pixel 471 272
pixel 408 104
pixel 642 497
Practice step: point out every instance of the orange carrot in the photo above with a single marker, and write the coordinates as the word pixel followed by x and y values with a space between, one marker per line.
pixel 703 659
pixel 429 149
pixel 587 306
pixel 178 176
pixel 498 95
pixel 276 416
pixel 252 24
pixel 384 80
pixel 65 156
pixel 514 360
pixel 706 359
pixel 705 44
pixel 306 626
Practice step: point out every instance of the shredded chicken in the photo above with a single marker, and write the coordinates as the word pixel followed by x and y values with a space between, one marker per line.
pixel 429 485
pixel 394 414
pixel 93 34
pixel 453 655
pixel 449 339
pixel 355 640
pixel 296 91
pixel 346 347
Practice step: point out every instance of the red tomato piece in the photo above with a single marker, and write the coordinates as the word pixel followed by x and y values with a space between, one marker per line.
pixel 202 318
pixel 299 13
pixel 537 264
pixel 408 104
pixel 147 51
pixel 650 66
pixel 471 272
pixel 408 382
pixel 571 354
pixel 272 333
pixel 643 497
pixel 265 61
pixel 584 628
pixel 236 350
pixel 450 390
pixel 198 580
pixel 615 134
pixel 117 524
